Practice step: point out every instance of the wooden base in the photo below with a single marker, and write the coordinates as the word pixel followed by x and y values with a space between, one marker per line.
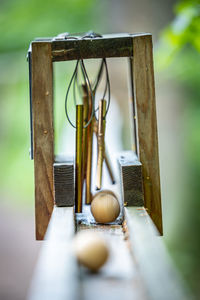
pixel 138 268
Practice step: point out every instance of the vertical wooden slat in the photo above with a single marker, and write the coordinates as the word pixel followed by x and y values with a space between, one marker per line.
pixel 42 101
pixel 144 91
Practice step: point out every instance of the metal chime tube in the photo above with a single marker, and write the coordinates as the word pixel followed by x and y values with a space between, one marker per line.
pixel 88 195
pixel 78 176
pixel 85 120
pixel 100 140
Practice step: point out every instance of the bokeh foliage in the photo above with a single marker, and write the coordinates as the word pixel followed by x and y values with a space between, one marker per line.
pixel 21 21
pixel 178 56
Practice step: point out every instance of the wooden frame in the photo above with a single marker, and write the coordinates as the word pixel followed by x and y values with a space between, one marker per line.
pixel 46 51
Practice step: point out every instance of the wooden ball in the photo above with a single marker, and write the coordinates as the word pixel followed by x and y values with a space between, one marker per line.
pixel 105 207
pixel 90 249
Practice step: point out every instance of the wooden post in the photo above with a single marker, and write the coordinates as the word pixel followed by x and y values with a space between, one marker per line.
pixel 42 104
pixel 144 92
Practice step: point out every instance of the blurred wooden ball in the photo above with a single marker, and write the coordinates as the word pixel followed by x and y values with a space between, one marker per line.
pixel 90 249
pixel 105 207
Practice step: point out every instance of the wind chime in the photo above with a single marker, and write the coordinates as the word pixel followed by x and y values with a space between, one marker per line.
pixel 90 121
pixel 139 170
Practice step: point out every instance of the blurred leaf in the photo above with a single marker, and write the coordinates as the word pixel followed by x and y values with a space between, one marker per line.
pixel 21 21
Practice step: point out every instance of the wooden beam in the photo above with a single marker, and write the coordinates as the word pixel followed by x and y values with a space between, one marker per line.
pixel 42 104
pixel 160 277
pixel 56 273
pixel 107 46
pixel 144 92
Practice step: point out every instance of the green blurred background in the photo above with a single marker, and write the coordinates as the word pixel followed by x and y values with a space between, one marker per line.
pixel 176 28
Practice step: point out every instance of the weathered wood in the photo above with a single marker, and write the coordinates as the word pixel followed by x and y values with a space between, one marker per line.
pixel 95 48
pixel 154 264
pixel 138 266
pixel 131 179
pixel 64 182
pixel 144 92
pixel 42 103
pixel 56 273
pixel 118 278
pixel 109 45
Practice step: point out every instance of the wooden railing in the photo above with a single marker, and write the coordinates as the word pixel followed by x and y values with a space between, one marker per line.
pixel 139 266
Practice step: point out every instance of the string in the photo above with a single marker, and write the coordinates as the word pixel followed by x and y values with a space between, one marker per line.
pixel 87 81
pixel 107 85
pixel 91 90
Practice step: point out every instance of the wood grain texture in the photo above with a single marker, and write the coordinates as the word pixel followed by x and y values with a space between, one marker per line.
pixel 109 45
pixel 56 273
pixel 98 48
pixel 64 183
pixel 118 278
pixel 144 92
pixel 131 179
pixel 138 266
pixel 42 101
pixel 154 264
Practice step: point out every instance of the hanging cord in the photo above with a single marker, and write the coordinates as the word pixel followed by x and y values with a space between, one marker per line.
pixel 77 85
pixel 87 81
pixel 107 85
pixel 91 90
pixel 66 97
pixel 91 35
pixel 98 77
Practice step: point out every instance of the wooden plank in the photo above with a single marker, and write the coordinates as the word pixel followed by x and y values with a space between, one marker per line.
pixel 144 92
pixel 160 277
pixel 42 102
pixel 91 48
pixel 64 187
pixel 131 179
pixel 118 278
pixel 56 273
pixel 109 45
pixel 138 266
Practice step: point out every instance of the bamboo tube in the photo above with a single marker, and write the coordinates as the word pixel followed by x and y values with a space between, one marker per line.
pixel 108 165
pixel 106 156
pixel 100 140
pixel 78 176
pixel 88 195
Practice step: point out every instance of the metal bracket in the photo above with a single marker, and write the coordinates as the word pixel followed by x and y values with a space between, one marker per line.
pixel 30 97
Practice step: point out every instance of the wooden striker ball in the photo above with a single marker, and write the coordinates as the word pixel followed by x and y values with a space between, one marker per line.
pixel 105 207
pixel 90 249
